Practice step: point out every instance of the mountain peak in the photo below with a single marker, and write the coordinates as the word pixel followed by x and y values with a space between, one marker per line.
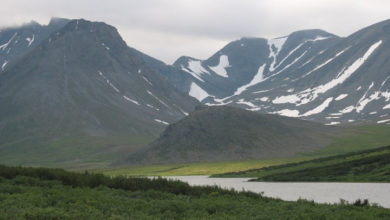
pixel 58 21
pixel 311 34
pixel 184 60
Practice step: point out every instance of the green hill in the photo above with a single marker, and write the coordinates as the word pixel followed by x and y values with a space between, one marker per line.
pixel 226 133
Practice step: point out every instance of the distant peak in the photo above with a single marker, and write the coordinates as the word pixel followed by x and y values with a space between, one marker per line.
pixel 57 20
pixel 311 34
pixel 276 38
pixel 184 59
pixel 32 22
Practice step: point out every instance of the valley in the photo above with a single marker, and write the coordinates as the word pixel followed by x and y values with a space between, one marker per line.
pixel 93 128
pixel 69 101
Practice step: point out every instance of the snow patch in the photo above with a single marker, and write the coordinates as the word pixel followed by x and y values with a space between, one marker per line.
pixel 150 93
pixel 263 99
pixel 311 94
pixel 383 121
pixel 131 100
pixel 30 40
pixel 333 123
pixel 261 91
pixel 386 95
pixel 220 69
pixel 277 43
pixel 319 108
pixel 4 46
pixel 386 106
pixel 289 54
pixel 146 79
pixel 253 109
pixel 347 109
pixel 304 64
pixel 3 66
pixel 161 121
pixel 108 82
pixel 105 46
pixel 320 38
pixel 197 92
pixel 290 64
pixel 332 117
pixel 191 73
pixel 250 104
pixel 363 101
pixel 288 113
pixel 286 99
pixel 182 111
pixel 196 67
pixel 340 97
pixel 256 79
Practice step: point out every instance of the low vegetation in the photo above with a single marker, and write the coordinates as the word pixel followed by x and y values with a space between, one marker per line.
pixel 38 193
pixel 187 169
pixel 365 166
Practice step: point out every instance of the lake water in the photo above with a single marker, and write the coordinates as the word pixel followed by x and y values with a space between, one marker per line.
pixel 319 192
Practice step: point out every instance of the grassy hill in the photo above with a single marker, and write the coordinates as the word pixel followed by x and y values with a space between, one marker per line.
pixel 356 138
pixel 224 133
pixel 365 166
pixel 38 193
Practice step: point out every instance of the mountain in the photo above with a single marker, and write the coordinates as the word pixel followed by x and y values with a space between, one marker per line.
pixel 310 74
pixel 223 133
pixel 241 61
pixel 82 80
pixel 17 41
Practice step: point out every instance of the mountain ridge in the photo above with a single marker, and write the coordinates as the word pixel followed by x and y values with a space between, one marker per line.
pixel 288 76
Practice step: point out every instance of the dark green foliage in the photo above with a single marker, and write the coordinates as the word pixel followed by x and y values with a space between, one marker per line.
pixel 92 180
pixel 360 202
pixel 38 193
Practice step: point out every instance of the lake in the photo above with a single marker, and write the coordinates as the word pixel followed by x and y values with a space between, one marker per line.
pixel 291 191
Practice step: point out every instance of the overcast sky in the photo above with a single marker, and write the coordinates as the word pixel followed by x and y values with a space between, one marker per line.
pixel 167 29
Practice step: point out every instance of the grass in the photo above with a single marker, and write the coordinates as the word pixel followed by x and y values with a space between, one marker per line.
pixel 356 139
pixel 366 166
pixel 196 168
pixel 75 152
pixel 359 138
pixel 27 193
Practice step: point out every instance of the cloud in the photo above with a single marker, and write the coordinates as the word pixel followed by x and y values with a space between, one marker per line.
pixel 167 29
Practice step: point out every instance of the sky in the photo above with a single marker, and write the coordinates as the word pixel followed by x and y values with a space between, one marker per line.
pixel 168 29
